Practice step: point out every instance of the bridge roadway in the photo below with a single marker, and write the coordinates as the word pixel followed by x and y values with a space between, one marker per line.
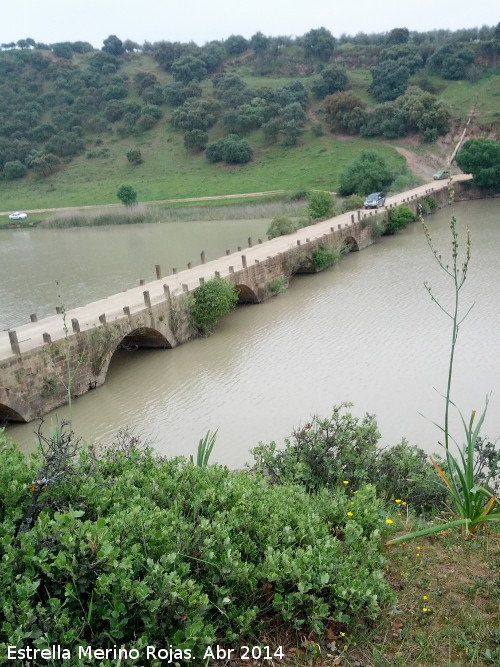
pixel 30 336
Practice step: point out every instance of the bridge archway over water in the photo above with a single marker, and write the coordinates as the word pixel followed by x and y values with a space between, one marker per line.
pixel 142 337
pixel 12 408
pixel 145 337
pixel 351 243
pixel 246 294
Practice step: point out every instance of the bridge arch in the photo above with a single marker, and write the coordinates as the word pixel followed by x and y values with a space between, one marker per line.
pixel 141 337
pixel 352 244
pixel 145 337
pixel 13 408
pixel 246 294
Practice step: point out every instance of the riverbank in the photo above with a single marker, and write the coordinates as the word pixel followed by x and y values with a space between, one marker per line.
pixel 307 578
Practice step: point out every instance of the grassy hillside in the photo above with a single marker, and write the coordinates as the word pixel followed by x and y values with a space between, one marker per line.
pixel 169 171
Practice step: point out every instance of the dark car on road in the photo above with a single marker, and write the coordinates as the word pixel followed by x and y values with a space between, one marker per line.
pixel 375 200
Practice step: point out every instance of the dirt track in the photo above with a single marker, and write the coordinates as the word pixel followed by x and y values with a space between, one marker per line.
pixel 162 201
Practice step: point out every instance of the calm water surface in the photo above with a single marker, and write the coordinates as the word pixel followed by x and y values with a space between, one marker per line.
pixel 364 331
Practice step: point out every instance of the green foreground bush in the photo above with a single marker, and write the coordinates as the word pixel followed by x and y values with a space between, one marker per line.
pixel 329 451
pixel 136 550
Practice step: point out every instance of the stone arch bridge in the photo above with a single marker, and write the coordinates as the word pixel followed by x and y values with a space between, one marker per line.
pixel 37 358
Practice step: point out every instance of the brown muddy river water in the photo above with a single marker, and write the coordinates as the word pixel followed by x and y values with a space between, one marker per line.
pixel 364 331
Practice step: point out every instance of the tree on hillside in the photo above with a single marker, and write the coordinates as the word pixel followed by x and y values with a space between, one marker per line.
pixel 134 156
pixel 404 54
pixel 13 170
pixel 332 79
pixel 127 195
pixel 45 164
pixel 481 158
pixel 113 45
pixel 319 43
pixel 259 42
pixel 341 110
pixel 424 113
pixel 389 80
pixel 188 68
pixel 368 173
pixel 451 61
pixel 195 140
pixel 235 44
pixel 398 36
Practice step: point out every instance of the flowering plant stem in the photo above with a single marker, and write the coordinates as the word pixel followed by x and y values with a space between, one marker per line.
pixel 472 503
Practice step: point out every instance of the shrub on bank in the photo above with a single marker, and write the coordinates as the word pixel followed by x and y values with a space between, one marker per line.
pixel 324 255
pixel 399 218
pixel 212 300
pixel 280 226
pixel 330 450
pixel 137 550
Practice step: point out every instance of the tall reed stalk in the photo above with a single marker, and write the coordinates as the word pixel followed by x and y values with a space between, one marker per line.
pixel 472 504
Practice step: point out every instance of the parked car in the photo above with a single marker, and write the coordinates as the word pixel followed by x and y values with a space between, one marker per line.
pixel 442 173
pixel 375 200
pixel 17 215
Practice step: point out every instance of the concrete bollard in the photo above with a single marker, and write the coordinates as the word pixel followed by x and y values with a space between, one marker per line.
pixel 202 280
pixel 228 252
pixel 14 343
pixel 75 325
pixel 202 256
pixel 58 310
pixel 147 299
pixel 260 241
pixel 244 261
pixel 126 310
pixel 185 288
pixel 189 265
pixel 352 218
pixel 33 317
pixel 339 226
pixel 298 241
pixel 239 248
pixel 47 338
pixel 174 271
pixel 166 291
pixel 142 281
pixel 102 318
pixel 249 241
pixel 231 269
pixel 217 274
pixel 159 275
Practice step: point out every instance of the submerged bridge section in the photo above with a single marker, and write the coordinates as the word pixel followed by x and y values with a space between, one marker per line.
pixel 71 351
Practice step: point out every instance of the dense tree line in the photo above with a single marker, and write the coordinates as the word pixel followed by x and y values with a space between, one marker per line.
pixel 57 97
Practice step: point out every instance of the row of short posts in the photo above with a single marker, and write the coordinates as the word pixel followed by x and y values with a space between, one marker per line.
pixel 75 325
